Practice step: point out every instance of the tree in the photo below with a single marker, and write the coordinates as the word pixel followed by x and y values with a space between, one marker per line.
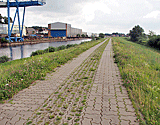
pixel 6 20
pixel 82 35
pixel 1 18
pixel 101 35
pixel 151 34
pixel 136 33
pixel 78 35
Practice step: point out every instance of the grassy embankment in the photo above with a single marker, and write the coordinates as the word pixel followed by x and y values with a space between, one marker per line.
pixel 140 70
pixel 19 74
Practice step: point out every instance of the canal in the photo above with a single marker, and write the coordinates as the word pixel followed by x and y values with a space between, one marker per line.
pixel 25 51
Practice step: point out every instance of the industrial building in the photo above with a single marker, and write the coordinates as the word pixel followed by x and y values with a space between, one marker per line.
pixel 15 30
pixel 3 28
pixel 59 29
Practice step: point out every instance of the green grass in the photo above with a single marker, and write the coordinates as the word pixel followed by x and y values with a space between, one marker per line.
pixel 19 74
pixel 140 70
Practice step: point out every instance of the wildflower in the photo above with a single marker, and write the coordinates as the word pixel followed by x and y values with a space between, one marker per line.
pixel 7 84
pixel 21 79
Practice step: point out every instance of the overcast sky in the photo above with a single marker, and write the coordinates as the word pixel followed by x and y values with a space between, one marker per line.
pixel 97 16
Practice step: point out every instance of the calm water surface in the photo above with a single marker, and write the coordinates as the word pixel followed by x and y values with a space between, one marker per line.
pixel 25 51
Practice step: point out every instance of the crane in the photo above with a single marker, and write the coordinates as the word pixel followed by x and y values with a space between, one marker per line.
pixel 18 3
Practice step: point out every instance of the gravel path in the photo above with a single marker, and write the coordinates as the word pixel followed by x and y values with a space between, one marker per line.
pixel 87 90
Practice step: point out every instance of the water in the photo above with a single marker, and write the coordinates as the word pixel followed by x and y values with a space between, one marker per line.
pixel 25 51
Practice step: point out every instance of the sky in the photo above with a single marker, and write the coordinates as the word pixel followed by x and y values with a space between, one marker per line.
pixel 96 16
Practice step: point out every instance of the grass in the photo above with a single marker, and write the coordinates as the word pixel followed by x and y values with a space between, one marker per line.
pixel 19 74
pixel 140 70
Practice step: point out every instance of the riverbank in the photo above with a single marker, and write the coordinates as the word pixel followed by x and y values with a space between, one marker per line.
pixel 36 41
pixel 19 74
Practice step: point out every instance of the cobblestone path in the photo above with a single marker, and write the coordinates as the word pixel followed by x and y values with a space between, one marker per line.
pixel 87 90
pixel 108 103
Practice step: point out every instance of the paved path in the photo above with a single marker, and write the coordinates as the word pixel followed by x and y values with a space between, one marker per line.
pixel 108 103
pixel 67 95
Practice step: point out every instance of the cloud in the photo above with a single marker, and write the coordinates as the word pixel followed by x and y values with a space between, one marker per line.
pixel 153 14
pixel 96 15
pixel 90 9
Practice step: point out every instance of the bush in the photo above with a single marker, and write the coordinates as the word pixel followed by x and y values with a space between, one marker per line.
pixel 38 52
pixel 4 59
pixel 141 40
pixel 70 45
pixel 61 47
pixel 3 40
pixel 154 42
pixel 50 49
pixel 98 38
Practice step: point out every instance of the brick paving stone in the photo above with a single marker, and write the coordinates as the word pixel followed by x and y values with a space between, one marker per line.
pixel 130 108
pixel 20 122
pixel 86 121
pixel 95 118
pixel 132 119
pixel 123 122
pixel 90 103
pixel 90 110
pixel 121 104
pixel 10 114
pixel 4 121
pixel 123 112
pixel 98 106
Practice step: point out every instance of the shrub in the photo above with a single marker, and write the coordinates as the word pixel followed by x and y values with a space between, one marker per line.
pixel 61 47
pixel 38 52
pixel 98 38
pixel 50 49
pixel 70 45
pixel 3 40
pixel 4 59
pixel 154 42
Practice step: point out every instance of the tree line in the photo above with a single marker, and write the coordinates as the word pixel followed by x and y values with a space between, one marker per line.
pixel 137 35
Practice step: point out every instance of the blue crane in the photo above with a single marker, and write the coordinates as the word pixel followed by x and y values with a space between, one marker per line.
pixel 18 3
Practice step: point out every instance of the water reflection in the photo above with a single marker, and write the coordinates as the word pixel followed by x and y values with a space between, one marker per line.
pixel 25 51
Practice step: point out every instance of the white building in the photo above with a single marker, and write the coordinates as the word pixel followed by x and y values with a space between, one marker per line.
pixel 15 30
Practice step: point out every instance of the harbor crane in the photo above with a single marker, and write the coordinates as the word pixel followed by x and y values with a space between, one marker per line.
pixel 18 3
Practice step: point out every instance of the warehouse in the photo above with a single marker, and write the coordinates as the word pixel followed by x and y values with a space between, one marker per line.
pixel 59 29
pixel 15 29
pixel 3 28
